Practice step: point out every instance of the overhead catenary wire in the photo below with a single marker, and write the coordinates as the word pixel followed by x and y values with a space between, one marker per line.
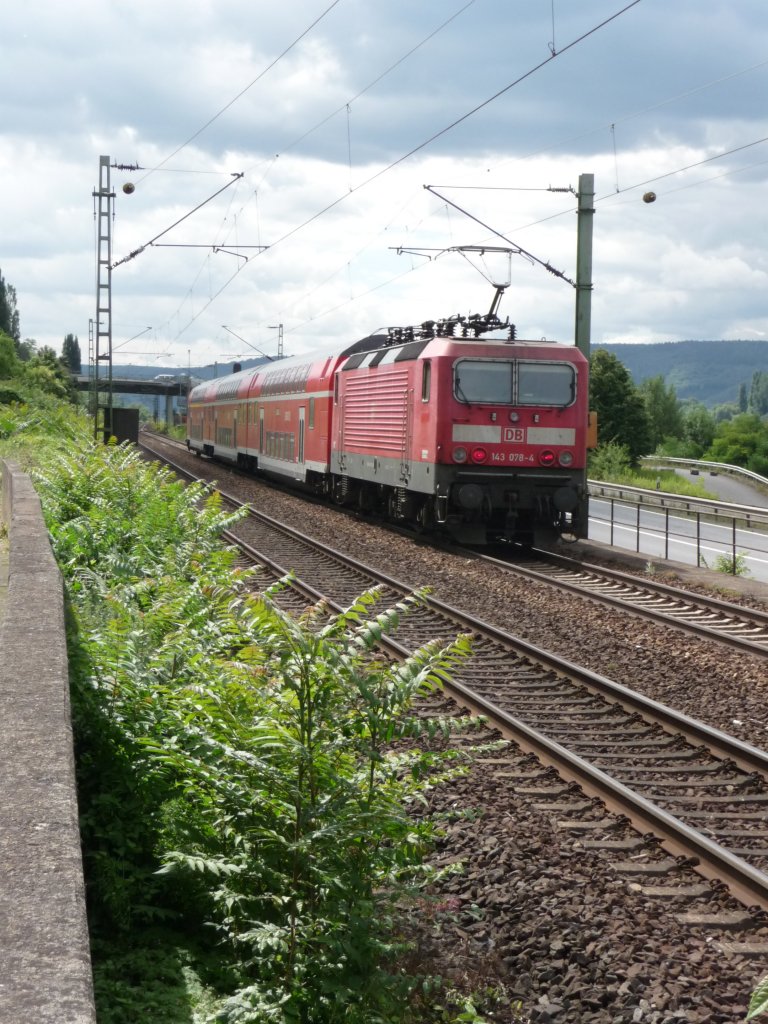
pixel 347 105
pixel 242 92
pixel 553 216
pixel 454 124
pixel 152 241
pixel 423 145
pixel 626 188
pixel 426 143
pixel 380 77
pixel 697 163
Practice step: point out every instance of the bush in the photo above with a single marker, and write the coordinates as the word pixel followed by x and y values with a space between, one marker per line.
pixel 235 766
pixel 609 461
pixel 731 565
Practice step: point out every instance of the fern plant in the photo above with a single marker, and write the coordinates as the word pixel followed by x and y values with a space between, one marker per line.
pixel 758 1004
pixel 238 768
pixel 314 844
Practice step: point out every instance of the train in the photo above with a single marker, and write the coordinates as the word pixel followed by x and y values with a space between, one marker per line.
pixel 480 439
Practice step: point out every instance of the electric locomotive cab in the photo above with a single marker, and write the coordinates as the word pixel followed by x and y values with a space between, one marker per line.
pixel 513 463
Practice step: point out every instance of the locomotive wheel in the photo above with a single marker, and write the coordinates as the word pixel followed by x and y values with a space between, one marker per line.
pixel 425 519
pixel 366 500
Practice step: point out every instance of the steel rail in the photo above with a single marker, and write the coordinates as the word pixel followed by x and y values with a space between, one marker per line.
pixel 744 619
pixel 747 884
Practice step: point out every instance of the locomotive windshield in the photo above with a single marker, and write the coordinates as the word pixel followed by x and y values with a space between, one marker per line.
pixel 487 381
pixel 545 383
pixel 514 382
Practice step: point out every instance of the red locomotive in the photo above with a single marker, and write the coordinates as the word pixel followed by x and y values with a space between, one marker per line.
pixel 484 440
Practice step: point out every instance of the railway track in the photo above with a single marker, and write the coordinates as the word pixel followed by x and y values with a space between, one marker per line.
pixel 743 628
pixel 700 792
pixel 701 615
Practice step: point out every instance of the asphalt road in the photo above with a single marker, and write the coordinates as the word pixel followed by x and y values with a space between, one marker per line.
pixel 727 488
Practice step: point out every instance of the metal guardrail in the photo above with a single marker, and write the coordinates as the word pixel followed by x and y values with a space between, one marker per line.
pixel 647 504
pixel 750 514
pixel 710 467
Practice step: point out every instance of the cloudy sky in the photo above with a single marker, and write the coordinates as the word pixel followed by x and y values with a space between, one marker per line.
pixel 285 149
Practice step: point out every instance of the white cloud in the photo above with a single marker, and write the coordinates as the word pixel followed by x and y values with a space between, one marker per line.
pixel 659 89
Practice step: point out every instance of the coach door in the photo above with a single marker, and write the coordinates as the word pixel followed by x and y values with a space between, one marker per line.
pixel 261 429
pixel 301 434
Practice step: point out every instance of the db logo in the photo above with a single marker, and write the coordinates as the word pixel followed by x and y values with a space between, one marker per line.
pixel 514 434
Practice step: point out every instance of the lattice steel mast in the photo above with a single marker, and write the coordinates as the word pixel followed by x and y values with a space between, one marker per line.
pixel 103 212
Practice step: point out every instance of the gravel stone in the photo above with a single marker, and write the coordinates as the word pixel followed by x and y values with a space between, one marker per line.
pixel 537 916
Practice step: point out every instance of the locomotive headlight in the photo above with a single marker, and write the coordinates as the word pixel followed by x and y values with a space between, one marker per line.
pixel 565 458
pixel 459 454
pixel 479 455
pixel 547 457
pixel 514 417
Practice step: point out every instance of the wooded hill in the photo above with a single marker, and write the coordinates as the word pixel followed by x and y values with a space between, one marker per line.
pixel 708 371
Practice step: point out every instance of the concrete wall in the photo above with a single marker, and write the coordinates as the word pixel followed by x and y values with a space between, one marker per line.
pixel 45 967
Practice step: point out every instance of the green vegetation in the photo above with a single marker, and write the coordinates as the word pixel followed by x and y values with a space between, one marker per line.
pixel 26 372
pixel 742 441
pixel 26 368
pixel 621 415
pixel 9 312
pixel 758 1004
pixel 610 462
pixel 245 779
pixel 728 564
pixel 177 431
pixel 70 353
pixel 650 419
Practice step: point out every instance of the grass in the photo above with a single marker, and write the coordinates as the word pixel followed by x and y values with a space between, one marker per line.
pixel 666 479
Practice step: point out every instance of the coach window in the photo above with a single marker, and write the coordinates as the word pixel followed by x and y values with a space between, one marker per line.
pixel 426 380
pixel 336 389
pixel 546 384
pixel 311 414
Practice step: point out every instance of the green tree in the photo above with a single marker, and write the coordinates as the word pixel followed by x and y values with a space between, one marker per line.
pixel 26 349
pixel 609 461
pixel 663 408
pixel 9 313
pixel 622 416
pixel 70 353
pixel 742 441
pixel 725 411
pixel 743 398
pixel 9 364
pixel 698 429
pixel 758 393
pixel 49 373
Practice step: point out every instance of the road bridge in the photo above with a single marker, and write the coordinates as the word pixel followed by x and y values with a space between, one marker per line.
pixel 169 389
pixel 128 386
